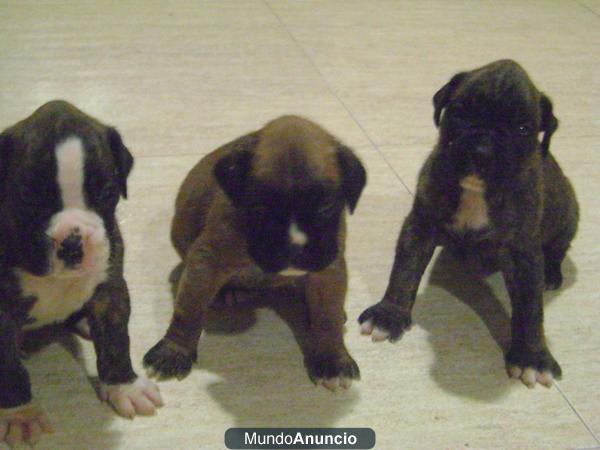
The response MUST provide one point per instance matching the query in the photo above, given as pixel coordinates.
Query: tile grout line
(579, 416)
(583, 5)
(332, 91)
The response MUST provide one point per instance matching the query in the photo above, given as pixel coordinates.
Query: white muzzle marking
(76, 217)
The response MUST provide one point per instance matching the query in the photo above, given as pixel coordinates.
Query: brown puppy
(263, 209)
(489, 190)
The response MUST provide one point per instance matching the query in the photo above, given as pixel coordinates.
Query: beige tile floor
(180, 78)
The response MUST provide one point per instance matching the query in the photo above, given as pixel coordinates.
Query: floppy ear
(122, 157)
(548, 123)
(354, 176)
(442, 97)
(231, 171)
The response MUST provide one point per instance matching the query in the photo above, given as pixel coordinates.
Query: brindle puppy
(489, 189)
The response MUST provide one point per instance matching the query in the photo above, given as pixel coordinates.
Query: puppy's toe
(23, 425)
(330, 383)
(379, 335)
(384, 320)
(530, 376)
(141, 397)
(366, 327)
(545, 378)
(532, 367)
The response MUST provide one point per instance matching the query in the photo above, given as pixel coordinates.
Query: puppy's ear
(231, 171)
(354, 176)
(122, 158)
(442, 97)
(548, 123)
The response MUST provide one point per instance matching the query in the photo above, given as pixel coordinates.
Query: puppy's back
(197, 194)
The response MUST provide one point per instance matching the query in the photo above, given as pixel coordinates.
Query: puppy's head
(490, 119)
(61, 175)
(291, 182)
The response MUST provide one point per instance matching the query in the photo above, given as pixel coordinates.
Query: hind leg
(554, 254)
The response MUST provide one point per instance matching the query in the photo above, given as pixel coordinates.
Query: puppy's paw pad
(532, 368)
(384, 321)
(141, 397)
(23, 425)
(166, 360)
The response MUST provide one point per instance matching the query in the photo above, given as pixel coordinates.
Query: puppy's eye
(524, 130)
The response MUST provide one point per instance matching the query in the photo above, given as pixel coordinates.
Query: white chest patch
(57, 297)
(292, 272)
(472, 212)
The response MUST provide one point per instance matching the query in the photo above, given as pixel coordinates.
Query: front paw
(166, 360)
(384, 321)
(332, 371)
(532, 367)
(23, 425)
(130, 399)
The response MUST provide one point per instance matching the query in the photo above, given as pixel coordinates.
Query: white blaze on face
(66, 289)
(75, 216)
(297, 236)
(70, 174)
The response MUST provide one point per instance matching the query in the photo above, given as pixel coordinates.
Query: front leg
(528, 357)
(206, 271)
(326, 358)
(389, 318)
(108, 315)
(20, 420)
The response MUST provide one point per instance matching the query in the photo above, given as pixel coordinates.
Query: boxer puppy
(489, 189)
(61, 256)
(263, 209)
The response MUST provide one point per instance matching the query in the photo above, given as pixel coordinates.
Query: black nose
(71, 251)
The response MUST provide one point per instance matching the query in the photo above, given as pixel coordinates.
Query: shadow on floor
(263, 382)
(467, 362)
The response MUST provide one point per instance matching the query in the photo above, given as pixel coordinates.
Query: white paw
(377, 334)
(530, 376)
(140, 397)
(23, 425)
(333, 383)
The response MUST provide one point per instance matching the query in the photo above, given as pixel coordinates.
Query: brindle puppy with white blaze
(491, 190)
(61, 257)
